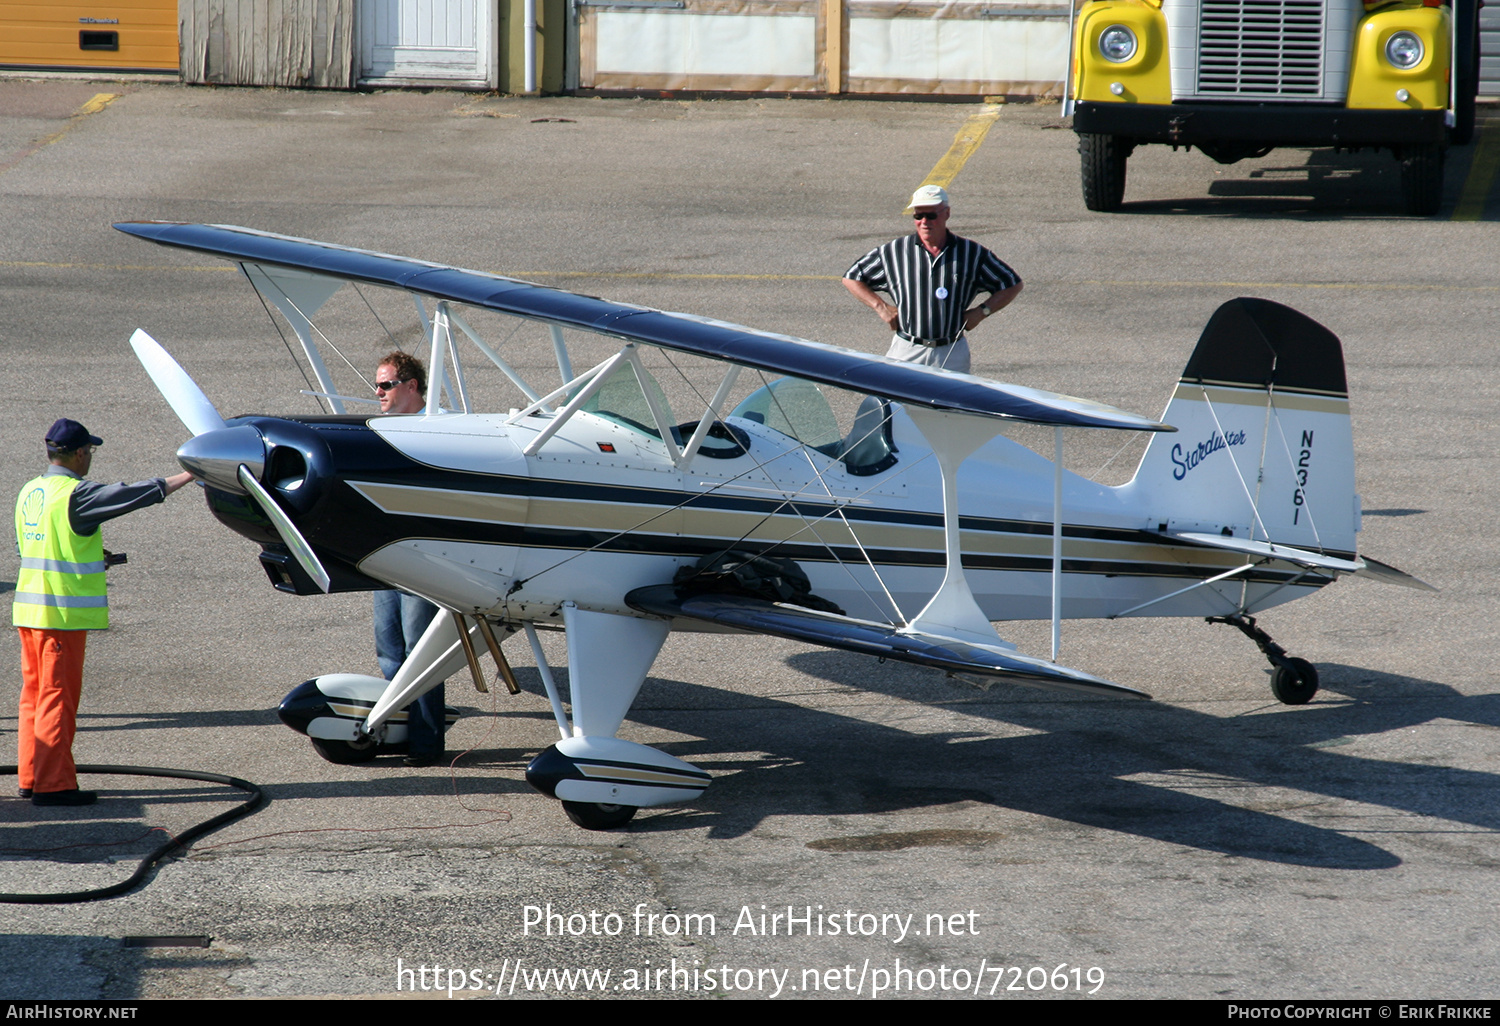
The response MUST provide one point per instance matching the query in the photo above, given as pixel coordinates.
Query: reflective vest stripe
(61, 566)
(61, 582)
(63, 601)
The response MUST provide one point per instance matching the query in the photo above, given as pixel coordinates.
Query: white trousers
(954, 356)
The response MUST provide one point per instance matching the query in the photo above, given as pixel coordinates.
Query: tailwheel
(598, 815)
(1294, 682)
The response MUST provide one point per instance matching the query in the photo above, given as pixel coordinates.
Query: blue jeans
(400, 622)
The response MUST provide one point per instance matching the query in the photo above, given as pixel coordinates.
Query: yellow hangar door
(136, 35)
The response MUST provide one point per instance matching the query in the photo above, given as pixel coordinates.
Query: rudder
(1264, 448)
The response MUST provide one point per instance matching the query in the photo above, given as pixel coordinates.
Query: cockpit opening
(800, 410)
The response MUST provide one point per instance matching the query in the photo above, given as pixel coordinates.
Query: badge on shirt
(941, 293)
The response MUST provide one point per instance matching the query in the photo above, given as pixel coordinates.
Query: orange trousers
(51, 683)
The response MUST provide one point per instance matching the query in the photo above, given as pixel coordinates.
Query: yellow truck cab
(1237, 78)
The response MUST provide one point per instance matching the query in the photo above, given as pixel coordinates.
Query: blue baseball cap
(68, 435)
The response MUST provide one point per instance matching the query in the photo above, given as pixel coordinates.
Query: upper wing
(779, 354)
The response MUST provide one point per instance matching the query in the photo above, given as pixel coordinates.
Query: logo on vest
(31, 514)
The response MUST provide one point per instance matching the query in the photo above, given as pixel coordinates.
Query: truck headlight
(1404, 50)
(1117, 44)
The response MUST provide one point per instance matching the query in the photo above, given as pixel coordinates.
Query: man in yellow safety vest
(60, 596)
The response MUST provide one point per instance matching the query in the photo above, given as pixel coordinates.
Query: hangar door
(428, 42)
(130, 35)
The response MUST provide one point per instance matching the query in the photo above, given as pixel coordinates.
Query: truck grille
(1261, 48)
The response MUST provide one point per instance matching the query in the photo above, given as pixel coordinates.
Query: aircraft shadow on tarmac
(1076, 769)
(149, 720)
(1203, 773)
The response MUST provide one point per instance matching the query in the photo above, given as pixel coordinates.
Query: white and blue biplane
(591, 508)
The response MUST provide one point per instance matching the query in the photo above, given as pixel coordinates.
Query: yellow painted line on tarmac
(93, 105)
(1482, 171)
(662, 275)
(970, 134)
(1391, 286)
(673, 276)
(110, 267)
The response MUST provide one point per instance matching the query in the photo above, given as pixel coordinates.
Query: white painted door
(445, 42)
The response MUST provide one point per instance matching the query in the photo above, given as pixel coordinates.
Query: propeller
(199, 416)
(289, 534)
(180, 391)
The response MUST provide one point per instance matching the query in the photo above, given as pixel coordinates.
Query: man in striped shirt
(933, 276)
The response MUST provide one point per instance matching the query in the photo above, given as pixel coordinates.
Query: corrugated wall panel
(299, 43)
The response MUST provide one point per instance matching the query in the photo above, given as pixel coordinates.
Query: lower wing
(958, 658)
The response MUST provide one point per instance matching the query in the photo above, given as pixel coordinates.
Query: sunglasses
(390, 386)
(926, 215)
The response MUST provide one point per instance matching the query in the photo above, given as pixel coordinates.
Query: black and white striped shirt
(933, 293)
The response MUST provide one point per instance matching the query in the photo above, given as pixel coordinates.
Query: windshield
(797, 408)
(622, 401)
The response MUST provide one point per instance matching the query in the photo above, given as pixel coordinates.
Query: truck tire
(1465, 71)
(1422, 179)
(1103, 167)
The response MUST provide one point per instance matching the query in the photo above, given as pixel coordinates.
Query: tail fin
(1263, 448)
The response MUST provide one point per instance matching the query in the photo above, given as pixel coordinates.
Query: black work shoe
(422, 759)
(23, 792)
(73, 797)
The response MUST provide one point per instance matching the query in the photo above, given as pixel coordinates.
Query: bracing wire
(272, 318)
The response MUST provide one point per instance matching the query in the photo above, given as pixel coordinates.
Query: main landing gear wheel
(1295, 683)
(1103, 168)
(598, 815)
(346, 753)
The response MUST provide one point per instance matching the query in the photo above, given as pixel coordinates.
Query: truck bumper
(1271, 124)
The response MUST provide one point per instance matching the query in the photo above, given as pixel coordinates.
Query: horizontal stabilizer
(1388, 574)
(830, 630)
(1287, 553)
(715, 340)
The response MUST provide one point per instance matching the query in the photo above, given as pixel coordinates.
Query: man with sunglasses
(401, 618)
(60, 597)
(933, 276)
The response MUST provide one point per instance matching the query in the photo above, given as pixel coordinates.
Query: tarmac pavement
(1209, 844)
